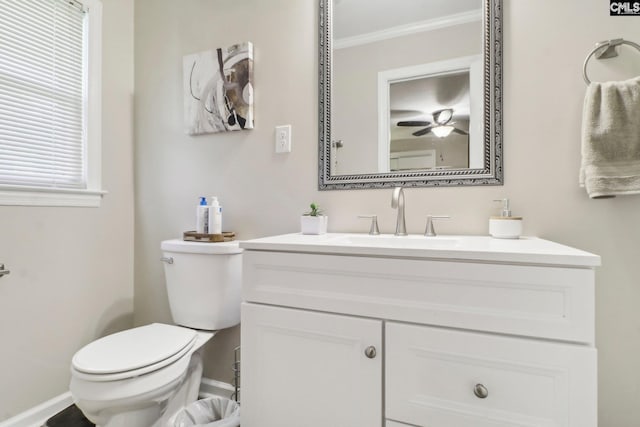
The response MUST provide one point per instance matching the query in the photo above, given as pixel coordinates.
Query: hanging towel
(611, 139)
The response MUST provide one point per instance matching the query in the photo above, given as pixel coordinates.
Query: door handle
(3, 272)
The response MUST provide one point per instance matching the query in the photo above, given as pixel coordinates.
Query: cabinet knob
(480, 391)
(370, 352)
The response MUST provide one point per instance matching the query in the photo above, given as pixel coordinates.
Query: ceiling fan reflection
(441, 127)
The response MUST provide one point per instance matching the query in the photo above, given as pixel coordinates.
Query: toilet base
(153, 411)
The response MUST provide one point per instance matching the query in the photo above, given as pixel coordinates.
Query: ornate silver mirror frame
(492, 171)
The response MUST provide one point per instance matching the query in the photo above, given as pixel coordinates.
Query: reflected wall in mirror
(410, 93)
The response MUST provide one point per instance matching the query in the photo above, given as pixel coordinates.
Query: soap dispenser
(505, 226)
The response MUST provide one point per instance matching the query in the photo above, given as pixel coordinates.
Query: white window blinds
(42, 94)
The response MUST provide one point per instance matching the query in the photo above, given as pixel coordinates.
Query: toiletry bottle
(505, 226)
(202, 217)
(215, 216)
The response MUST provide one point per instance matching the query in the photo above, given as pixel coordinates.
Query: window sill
(20, 196)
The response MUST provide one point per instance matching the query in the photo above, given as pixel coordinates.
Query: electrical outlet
(283, 139)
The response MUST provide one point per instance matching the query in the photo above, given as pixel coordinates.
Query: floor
(69, 417)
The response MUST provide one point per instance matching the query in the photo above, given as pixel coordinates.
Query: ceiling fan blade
(413, 123)
(422, 131)
(460, 131)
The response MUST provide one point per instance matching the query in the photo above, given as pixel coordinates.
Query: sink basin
(398, 242)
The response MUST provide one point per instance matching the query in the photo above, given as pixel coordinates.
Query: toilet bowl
(142, 376)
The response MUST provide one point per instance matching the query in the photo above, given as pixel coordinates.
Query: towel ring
(603, 50)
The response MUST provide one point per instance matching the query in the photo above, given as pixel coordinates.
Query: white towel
(611, 139)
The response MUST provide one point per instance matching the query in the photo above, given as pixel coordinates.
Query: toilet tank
(203, 283)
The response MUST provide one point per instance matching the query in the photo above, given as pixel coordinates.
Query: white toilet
(142, 376)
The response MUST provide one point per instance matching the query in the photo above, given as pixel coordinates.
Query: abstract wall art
(218, 90)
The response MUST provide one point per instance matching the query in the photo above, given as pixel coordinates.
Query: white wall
(264, 193)
(261, 192)
(71, 275)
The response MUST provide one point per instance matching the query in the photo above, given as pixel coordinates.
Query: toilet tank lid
(133, 349)
(177, 245)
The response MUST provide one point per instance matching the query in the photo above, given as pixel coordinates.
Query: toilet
(142, 376)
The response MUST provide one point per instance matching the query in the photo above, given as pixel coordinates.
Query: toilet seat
(133, 352)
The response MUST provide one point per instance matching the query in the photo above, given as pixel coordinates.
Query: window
(50, 72)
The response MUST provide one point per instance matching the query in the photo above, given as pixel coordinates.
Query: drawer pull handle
(370, 352)
(480, 391)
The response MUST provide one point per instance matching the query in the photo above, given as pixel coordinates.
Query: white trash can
(209, 412)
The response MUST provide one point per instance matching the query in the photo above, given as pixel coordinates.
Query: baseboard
(209, 387)
(38, 415)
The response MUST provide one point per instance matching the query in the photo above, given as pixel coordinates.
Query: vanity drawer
(432, 375)
(528, 300)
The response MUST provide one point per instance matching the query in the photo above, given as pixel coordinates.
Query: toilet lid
(134, 349)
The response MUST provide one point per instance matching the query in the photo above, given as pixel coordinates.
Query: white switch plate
(283, 139)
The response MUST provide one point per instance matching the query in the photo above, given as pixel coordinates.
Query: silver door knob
(370, 352)
(480, 391)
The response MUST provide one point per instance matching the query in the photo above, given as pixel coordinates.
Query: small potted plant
(314, 221)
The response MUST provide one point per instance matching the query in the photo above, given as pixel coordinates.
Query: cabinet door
(446, 378)
(309, 369)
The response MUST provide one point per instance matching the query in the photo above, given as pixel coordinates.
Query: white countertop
(525, 250)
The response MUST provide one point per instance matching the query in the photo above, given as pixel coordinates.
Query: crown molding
(413, 28)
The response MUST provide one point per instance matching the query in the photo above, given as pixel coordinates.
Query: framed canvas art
(218, 90)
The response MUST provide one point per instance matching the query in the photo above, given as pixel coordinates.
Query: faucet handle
(374, 231)
(429, 230)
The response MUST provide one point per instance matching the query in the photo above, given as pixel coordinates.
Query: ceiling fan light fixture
(442, 131)
(442, 117)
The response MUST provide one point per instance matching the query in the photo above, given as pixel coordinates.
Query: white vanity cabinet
(302, 368)
(480, 333)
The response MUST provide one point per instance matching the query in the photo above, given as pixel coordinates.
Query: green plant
(315, 210)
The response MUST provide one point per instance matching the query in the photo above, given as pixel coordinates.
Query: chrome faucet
(397, 202)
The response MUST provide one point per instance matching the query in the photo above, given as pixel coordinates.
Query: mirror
(410, 93)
